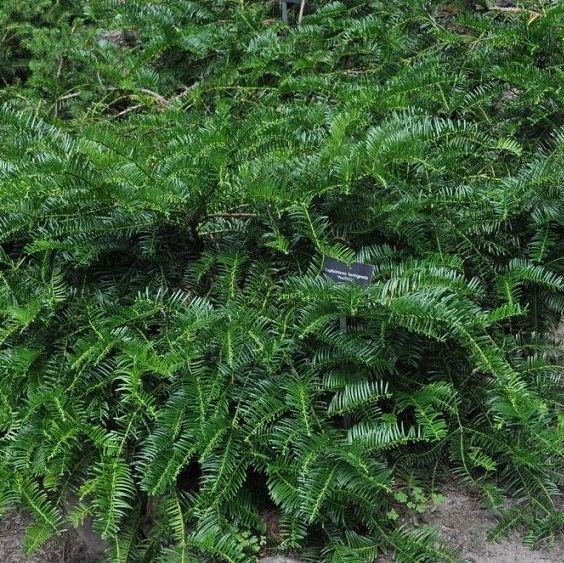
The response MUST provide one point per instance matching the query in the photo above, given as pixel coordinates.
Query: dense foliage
(171, 363)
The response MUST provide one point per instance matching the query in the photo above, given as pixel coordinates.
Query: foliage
(170, 353)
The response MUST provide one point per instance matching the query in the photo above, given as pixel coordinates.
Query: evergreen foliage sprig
(171, 362)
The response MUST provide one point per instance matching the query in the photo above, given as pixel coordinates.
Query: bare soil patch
(464, 524)
(460, 519)
(74, 546)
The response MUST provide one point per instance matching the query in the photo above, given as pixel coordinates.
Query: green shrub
(170, 351)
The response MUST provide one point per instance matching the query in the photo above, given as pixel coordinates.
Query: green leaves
(355, 395)
(113, 490)
(171, 176)
(48, 520)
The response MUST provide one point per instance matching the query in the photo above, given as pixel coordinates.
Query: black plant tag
(338, 271)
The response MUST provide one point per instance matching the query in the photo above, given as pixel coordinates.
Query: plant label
(338, 271)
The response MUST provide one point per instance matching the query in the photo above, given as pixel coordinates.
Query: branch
(301, 15)
(69, 96)
(127, 110)
(235, 215)
(160, 99)
(514, 10)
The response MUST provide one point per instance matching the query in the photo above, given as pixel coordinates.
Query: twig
(515, 10)
(161, 99)
(301, 15)
(68, 96)
(186, 90)
(232, 215)
(60, 99)
(127, 110)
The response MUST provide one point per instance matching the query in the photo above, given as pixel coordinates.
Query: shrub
(171, 354)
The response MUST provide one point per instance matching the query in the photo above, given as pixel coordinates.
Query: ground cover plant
(171, 363)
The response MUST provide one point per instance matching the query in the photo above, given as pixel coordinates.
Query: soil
(68, 548)
(464, 524)
(460, 520)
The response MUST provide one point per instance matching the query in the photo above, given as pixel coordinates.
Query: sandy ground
(460, 519)
(464, 524)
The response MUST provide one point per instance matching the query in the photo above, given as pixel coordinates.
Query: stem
(302, 8)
